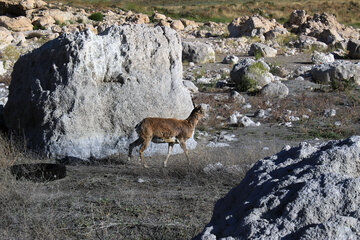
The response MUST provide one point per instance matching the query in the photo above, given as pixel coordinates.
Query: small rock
(329, 113)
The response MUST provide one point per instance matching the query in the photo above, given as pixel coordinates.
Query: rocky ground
(297, 92)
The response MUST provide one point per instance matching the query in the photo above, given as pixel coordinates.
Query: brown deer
(166, 130)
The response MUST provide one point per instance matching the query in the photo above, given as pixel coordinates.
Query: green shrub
(97, 16)
(343, 84)
(246, 84)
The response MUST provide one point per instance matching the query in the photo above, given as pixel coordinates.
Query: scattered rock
(20, 7)
(190, 86)
(17, 24)
(5, 36)
(262, 49)
(237, 97)
(275, 89)
(230, 59)
(320, 58)
(247, 122)
(217, 145)
(158, 17)
(253, 26)
(323, 27)
(251, 74)
(336, 73)
(138, 18)
(198, 52)
(330, 113)
(177, 25)
(305, 192)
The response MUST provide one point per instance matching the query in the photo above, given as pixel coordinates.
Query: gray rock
(230, 59)
(190, 86)
(305, 192)
(275, 89)
(338, 71)
(307, 42)
(249, 73)
(354, 49)
(237, 97)
(320, 58)
(263, 49)
(198, 52)
(82, 94)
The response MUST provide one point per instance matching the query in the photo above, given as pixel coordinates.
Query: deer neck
(192, 120)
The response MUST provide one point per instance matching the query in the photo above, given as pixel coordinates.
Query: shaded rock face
(82, 94)
(305, 192)
(353, 47)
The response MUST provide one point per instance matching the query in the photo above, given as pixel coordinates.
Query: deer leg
(183, 146)
(171, 144)
(141, 151)
(137, 142)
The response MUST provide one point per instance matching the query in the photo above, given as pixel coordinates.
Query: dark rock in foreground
(305, 192)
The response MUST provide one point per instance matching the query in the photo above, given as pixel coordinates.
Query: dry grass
(224, 11)
(107, 201)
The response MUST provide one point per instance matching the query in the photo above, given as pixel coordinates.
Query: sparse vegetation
(98, 16)
(10, 53)
(225, 11)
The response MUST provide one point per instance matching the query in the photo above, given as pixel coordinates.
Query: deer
(166, 130)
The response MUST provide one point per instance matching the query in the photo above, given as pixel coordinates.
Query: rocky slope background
(75, 81)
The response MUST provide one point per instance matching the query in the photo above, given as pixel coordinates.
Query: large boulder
(82, 94)
(198, 52)
(253, 26)
(249, 74)
(305, 192)
(336, 72)
(19, 7)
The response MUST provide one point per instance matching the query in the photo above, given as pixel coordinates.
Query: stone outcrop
(82, 94)
(254, 26)
(304, 192)
(198, 52)
(323, 27)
